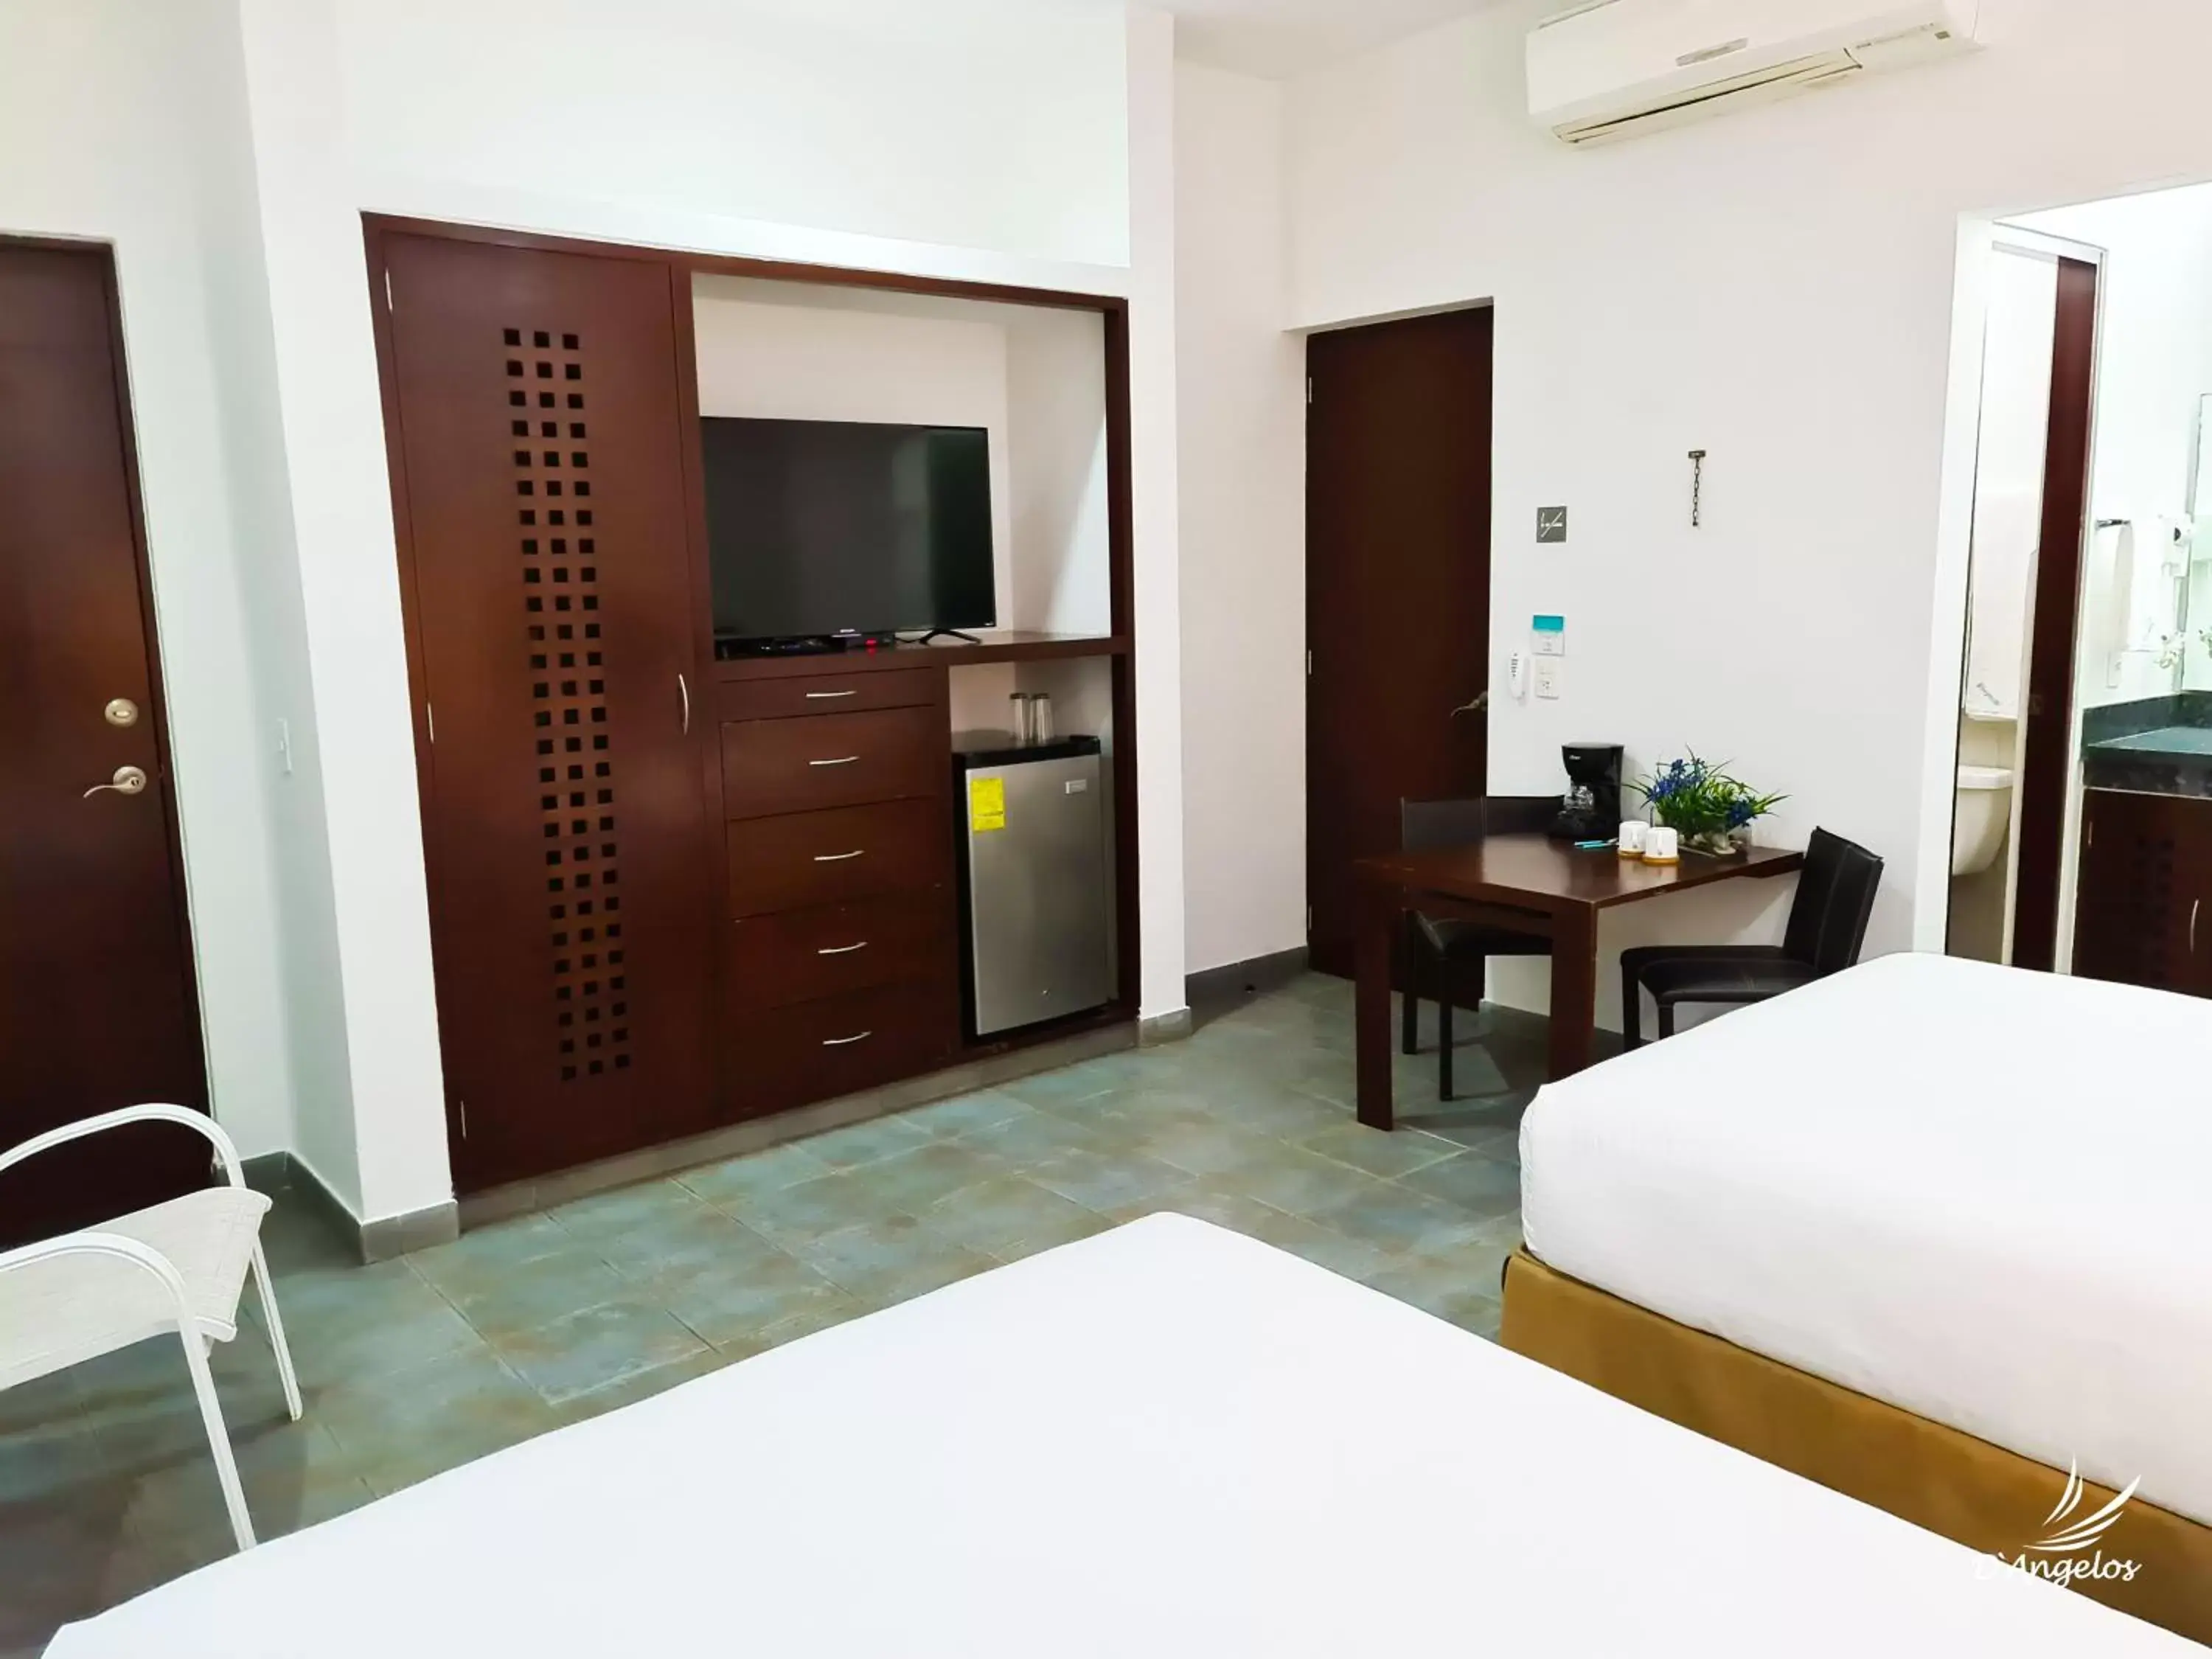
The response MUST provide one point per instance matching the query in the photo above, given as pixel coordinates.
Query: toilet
(1982, 816)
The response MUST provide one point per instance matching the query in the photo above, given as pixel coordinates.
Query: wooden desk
(1531, 884)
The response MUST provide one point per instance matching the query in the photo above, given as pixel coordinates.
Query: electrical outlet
(1550, 671)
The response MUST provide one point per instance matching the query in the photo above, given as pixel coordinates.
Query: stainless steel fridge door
(1037, 893)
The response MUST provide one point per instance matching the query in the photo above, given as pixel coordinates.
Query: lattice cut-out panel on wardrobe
(558, 586)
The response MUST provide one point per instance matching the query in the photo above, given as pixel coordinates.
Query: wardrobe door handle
(2193, 909)
(842, 949)
(683, 687)
(817, 696)
(840, 1043)
(841, 760)
(838, 857)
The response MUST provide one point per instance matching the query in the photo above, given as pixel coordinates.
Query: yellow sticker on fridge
(987, 804)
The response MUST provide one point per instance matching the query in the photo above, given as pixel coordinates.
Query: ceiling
(1279, 39)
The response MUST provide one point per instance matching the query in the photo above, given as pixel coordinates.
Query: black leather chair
(1827, 925)
(1459, 950)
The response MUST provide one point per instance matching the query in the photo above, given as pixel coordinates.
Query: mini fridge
(1033, 882)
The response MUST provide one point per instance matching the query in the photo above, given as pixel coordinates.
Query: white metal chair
(178, 1266)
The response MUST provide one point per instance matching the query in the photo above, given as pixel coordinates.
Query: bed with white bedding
(1159, 1440)
(1974, 1193)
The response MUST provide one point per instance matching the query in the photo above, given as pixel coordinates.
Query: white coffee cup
(1632, 832)
(1663, 845)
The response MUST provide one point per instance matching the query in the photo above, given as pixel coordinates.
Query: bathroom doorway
(2017, 693)
(2087, 658)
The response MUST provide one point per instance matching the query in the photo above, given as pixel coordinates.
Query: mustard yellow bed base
(1949, 1482)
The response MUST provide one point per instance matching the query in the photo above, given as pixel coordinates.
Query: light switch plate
(1550, 671)
(1551, 524)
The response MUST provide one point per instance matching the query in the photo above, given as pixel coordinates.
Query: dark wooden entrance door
(532, 398)
(1398, 428)
(97, 1006)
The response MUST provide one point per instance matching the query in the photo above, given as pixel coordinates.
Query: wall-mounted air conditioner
(1615, 68)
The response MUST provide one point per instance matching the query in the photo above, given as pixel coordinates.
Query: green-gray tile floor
(415, 1365)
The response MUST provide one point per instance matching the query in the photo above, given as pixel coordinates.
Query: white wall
(1062, 570)
(1152, 488)
(1241, 428)
(321, 1120)
(984, 123)
(333, 421)
(1776, 287)
(108, 136)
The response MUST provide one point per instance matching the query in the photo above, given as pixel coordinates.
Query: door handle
(841, 760)
(841, 950)
(1479, 702)
(683, 689)
(840, 1043)
(127, 781)
(2194, 908)
(838, 857)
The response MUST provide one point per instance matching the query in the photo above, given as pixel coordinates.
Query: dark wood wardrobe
(535, 425)
(656, 908)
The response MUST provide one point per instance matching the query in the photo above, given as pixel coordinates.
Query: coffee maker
(1590, 810)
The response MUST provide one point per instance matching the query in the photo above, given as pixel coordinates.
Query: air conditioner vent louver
(1613, 70)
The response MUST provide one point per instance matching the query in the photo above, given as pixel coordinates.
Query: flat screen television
(826, 527)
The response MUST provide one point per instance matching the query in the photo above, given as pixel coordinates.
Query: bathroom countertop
(2169, 754)
(2182, 742)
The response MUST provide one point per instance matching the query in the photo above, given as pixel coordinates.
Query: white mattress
(1973, 1191)
(1169, 1441)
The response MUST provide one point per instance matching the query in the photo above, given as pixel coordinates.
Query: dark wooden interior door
(97, 1006)
(562, 721)
(1398, 428)
(2047, 757)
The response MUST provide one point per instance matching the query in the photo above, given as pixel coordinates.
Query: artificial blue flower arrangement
(1705, 806)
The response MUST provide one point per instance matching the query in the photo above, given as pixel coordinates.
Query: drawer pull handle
(842, 949)
(841, 760)
(840, 1043)
(815, 696)
(838, 857)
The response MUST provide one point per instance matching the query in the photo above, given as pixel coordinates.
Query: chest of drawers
(840, 967)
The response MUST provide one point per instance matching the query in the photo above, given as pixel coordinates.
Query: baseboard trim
(284, 1176)
(1155, 1030)
(1251, 976)
(417, 1230)
(655, 1162)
